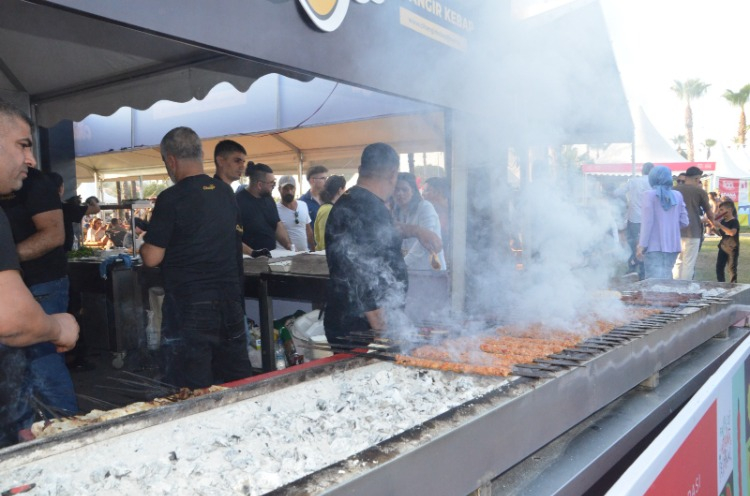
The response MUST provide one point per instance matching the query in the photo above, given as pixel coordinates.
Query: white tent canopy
(726, 167)
(650, 146)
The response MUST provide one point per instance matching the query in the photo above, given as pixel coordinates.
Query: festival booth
(94, 57)
(731, 179)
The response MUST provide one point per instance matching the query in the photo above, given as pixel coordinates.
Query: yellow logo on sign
(328, 15)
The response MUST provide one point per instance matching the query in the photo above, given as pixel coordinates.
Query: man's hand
(68, 332)
(263, 252)
(639, 252)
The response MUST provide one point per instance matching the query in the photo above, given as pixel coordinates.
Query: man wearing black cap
(696, 201)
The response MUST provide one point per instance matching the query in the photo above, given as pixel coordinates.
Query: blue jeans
(50, 378)
(659, 264)
(633, 233)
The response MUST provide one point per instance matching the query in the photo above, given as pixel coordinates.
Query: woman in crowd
(663, 213)
(332, 190)
(409, 208)
(96, 236)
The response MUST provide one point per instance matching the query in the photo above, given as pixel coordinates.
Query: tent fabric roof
(726, 166)
(650, 146)
(336, 145)
(72, 66)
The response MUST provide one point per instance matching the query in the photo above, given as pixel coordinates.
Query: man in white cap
(295, 215)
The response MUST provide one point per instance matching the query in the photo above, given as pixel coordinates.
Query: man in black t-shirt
(260, 218)
(36, 219)
(195, 235)
(73, 211)
(22, 321)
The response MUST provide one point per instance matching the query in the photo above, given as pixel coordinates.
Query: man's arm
(152, 255)
(282, 236)
(427, 238)
(49, 235)
(376, 319)
(310, 237)
(23, 322)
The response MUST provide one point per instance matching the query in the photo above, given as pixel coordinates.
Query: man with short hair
(36, 219)
(195, 235)
(633, 191)
(697, 204)
(23, 322)
(260, 217)
(368, 277)
(294, 215)
(229, 158)
(316, 177)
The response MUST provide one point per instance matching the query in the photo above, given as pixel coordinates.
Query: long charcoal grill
(468, 446)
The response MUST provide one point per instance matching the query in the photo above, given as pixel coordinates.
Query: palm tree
(709, 143)
(678, 141)
(687, 91)
(739, 99)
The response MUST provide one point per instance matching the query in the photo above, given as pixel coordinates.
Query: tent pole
(299, 171)
(632, 157)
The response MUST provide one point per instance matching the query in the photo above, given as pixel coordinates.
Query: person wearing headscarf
(663, 214)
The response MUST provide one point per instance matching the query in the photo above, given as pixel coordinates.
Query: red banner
(730, 188)
(675, 167)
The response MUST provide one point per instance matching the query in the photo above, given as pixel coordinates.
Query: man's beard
(265, 193)
(288, 198)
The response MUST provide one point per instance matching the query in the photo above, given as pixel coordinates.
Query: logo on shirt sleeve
(209, 187)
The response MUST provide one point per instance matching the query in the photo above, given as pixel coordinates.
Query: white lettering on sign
(445, 13)
(458, 20)
(695, 489)
(432, 6)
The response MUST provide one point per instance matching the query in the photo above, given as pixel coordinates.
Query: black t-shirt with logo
(198, 223)
(366, 266)
(730, 243)
(37, 195)
(259, 220)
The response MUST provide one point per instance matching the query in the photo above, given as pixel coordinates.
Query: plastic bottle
(280, 358)
(152, 337)
(288, 343)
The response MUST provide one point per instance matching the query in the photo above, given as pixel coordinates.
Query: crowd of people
(197, 233)
(668, 219)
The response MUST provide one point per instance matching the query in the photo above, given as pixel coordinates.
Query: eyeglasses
(323, 178)
(296, 217)
(680, 181)
(272, 183)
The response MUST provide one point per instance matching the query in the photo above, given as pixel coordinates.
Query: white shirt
(634, 189)
(297, 230)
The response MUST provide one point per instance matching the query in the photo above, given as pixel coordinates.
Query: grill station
(483, 442)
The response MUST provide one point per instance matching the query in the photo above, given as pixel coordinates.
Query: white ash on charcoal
(693, 287)
(258, 444)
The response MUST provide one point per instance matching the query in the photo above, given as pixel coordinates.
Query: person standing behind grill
(410, 209)
(23, 321)
(368, 277)
(727, 226)
(332, 191)
(633, 192)
(295, 216)
(260, 218)
(696, 201)
(663, 213)
(195, 235)
(317, 175)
